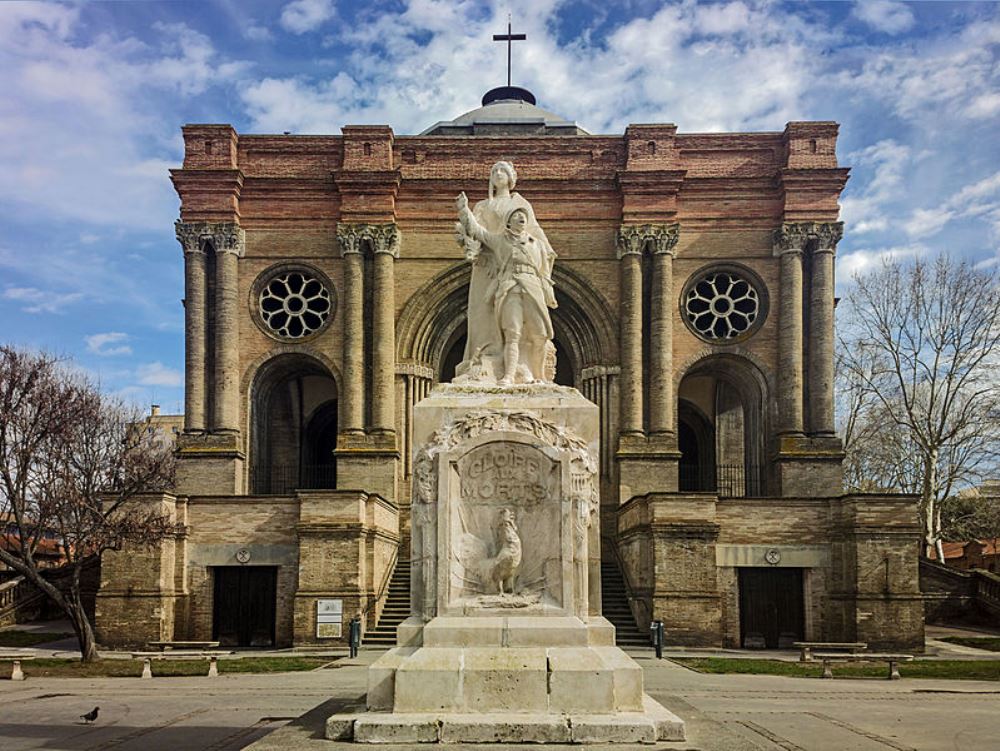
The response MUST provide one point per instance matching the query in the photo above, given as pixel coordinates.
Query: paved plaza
(286, 711)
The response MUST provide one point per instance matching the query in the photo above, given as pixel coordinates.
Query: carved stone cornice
(224, 237)
(795, 236)
(633, 238)
(384, 238)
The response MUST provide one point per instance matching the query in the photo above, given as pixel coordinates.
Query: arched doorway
(566, 372)
(722, 428)
(293, 415)
(430, 343)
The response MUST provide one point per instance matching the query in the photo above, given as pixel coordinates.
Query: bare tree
(71, 459)
(974, 515)
(919, 345)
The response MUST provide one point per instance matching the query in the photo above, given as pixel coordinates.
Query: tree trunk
(81, 625)
(931, 519)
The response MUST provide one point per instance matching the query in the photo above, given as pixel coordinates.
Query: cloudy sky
(92, 97)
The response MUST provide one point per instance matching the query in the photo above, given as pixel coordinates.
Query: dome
(507, 111)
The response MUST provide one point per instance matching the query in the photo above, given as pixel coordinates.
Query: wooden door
(772, 606)
(244, 605)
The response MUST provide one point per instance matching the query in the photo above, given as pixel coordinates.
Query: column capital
(796, 236)
(349, 236)
(790, 237)
(664, 238)
(633, 238)
(827, 235)
(224, 237)
(384, 238)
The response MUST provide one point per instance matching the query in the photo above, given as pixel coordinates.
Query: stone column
(821, 336)
(229, 242)
(385, 243)
(352, 400)
(189, 236)
(789, 241)
(631, 241)
(661, 375)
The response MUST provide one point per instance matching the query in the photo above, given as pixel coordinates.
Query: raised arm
(469, 222)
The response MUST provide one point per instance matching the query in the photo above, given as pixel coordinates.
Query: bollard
(16, 674)
(147, 671)
(657, 636)
(354, 636)
(213, 666)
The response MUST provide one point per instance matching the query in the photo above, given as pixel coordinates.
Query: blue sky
(92, 97)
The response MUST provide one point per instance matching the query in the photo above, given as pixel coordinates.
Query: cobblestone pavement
(723, 712)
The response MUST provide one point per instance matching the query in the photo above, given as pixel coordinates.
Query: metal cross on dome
(508, 37)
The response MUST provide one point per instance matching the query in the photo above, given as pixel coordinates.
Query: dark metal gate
(772, 607)
(243, 611)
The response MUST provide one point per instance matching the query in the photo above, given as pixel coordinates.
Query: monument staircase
(396, 610)
(615, 607)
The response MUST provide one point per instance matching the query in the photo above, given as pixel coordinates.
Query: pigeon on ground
(91, 715)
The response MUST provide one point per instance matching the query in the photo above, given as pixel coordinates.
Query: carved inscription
(505, 472)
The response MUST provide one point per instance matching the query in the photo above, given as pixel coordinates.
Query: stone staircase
(614, 607)
(396, 610)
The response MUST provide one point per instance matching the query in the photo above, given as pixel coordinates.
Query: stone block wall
(348, 543)
(682, 553)
(324, 544)
(137, 598)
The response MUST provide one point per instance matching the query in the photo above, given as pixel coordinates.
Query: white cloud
(732, 66)
(980, 199)
(943, 80)
(83, 135)
(885, 15)
(108, 344)
(865, 211)
(256, 33)
(860, 261)
(301, 16)
(34, 300)
(158, 374)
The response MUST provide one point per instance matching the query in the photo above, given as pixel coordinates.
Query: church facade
(325, 295)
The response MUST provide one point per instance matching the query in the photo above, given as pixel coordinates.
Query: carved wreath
(583, 466)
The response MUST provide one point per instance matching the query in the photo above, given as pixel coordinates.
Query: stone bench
(148, 657)
(808, 646)
(892, 659)
(163, 646)
(16, 674)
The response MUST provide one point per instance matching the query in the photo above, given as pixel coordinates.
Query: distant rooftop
(507, 111)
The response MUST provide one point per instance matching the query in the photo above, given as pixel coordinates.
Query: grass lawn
(28, 638)
(979, 670)
(991, 643)
(54, 668)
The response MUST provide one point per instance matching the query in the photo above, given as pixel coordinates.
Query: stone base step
(654, 723)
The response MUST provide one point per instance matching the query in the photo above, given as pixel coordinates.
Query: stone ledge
(654, 723)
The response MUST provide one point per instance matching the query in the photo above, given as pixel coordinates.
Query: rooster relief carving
(492, 569)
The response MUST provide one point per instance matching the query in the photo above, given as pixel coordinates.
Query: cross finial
(508, 37)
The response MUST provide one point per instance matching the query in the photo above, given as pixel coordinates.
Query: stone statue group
(509, 328)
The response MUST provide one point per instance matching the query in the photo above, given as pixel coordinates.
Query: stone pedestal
(506, 642)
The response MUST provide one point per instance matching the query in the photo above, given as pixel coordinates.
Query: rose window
(721, 305)
(294, 304)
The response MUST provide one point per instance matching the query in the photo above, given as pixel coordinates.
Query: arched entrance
(431, 343)
(293, 426)
(722, 428)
